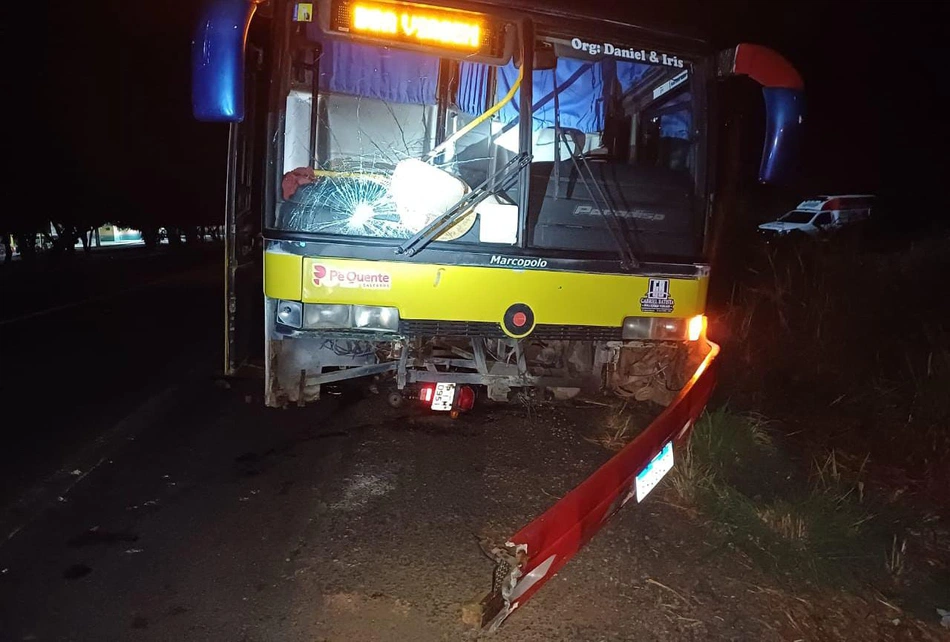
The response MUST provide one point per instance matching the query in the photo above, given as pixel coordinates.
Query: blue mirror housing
(784, 94)
(784, 131)
(217, 60)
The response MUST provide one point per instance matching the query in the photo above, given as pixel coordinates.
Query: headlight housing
(321, 315)
(663, 328)
(367, 317)
(332, 316)
(290, 313)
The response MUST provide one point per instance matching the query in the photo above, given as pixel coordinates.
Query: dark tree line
(115, 109)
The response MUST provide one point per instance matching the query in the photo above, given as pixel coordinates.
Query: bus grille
(493, 330)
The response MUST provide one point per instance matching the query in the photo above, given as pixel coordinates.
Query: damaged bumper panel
(535, 553)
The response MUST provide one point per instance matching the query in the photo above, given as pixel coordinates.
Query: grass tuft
(817, 530)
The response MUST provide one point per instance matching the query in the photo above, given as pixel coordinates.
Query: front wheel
(395, 399)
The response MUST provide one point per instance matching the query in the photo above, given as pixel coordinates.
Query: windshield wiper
(628, 259)
(479, 193)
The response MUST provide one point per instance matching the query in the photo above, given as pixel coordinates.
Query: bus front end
(430, 226)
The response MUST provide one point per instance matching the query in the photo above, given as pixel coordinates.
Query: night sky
(874, 73)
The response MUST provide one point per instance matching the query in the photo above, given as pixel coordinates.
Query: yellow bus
(460, 199)
(424, 224)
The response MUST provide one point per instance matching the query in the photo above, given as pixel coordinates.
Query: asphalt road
(202, 515)
(84, 342)
(226, 521)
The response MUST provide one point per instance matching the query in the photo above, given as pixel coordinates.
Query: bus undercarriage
(644, 371)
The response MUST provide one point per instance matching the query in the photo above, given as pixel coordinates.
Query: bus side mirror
(784, 94)
(217, 60)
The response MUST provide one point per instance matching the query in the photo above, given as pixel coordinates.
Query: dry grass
(784, 522)
(827, 316)
(818, 529)
(618, 431)
(689, 476)
(895, 559)
(853, 345)
(617, 423)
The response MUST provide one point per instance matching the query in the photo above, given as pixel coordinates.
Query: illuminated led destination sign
(423, 28)
(419, 25)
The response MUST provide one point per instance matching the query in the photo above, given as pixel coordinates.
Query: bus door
(243, 216)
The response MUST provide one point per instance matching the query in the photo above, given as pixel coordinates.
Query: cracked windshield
(400, 139)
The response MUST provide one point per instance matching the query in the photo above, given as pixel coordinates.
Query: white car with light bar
(822, 214)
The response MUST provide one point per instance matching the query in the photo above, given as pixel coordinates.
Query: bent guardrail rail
(536, 552)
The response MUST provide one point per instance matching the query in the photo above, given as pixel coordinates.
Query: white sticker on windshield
(671, 84)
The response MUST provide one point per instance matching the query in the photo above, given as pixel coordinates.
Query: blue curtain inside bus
(580, 88)
(408, 77)
(473, 87)
(388, 74)
(580, 94)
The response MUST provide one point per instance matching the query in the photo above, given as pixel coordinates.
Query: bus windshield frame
(287, 179)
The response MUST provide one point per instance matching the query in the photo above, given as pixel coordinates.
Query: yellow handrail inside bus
(480, 119)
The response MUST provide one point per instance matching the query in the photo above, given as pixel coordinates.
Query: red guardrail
(541, 548)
